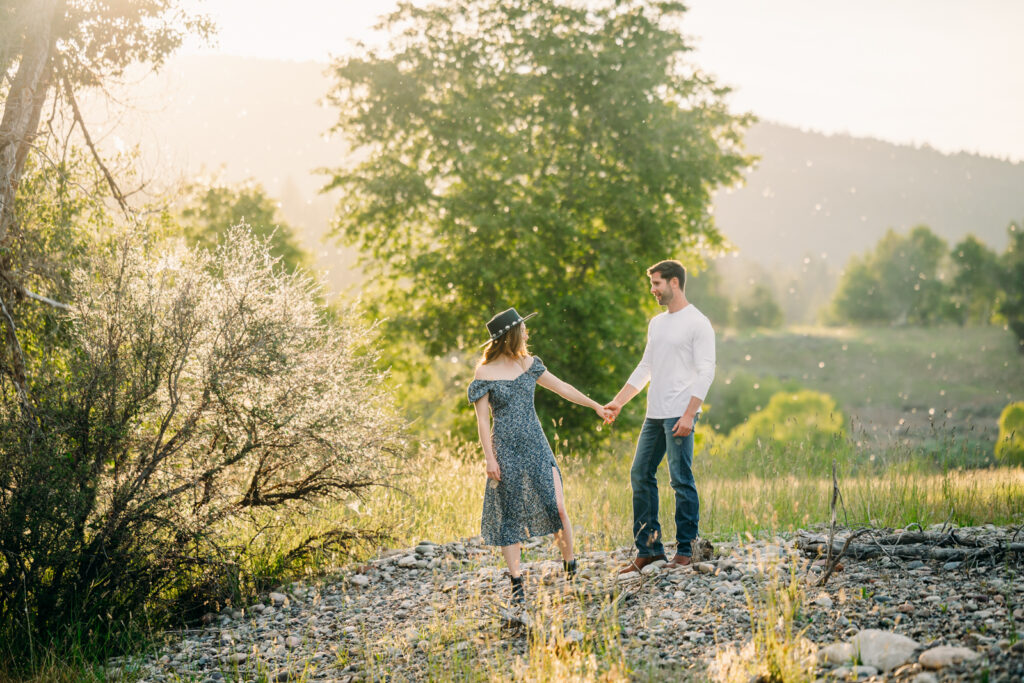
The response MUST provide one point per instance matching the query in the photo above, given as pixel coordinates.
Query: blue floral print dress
(523, 503)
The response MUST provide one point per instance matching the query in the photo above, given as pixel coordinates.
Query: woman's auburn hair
(511, 344)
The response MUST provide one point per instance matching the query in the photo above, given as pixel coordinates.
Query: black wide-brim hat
(503, 322)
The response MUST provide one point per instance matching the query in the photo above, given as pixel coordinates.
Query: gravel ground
(437, 611)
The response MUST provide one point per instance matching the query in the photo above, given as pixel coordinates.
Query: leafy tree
(899, 282)
(210, 212)
(858, 297)
(758, 309)
(1010, 444)
(530, 153)
(975, 285)
(1012, 274)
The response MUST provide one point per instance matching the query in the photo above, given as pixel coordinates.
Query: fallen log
(813, 547)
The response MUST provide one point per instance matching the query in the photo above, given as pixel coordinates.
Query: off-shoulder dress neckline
(514, 379)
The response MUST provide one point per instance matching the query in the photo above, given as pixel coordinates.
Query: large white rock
(945, 655)
(278, 598)
(836, 653)
(883, 650)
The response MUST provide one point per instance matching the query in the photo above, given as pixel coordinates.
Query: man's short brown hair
(668, 270)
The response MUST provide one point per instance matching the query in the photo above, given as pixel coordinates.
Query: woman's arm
(483, 430)
(571, 393)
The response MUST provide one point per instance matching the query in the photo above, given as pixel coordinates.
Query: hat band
(505, 329)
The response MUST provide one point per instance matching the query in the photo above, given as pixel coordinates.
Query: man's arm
(637, 381)
(704, 361)
(627, 392)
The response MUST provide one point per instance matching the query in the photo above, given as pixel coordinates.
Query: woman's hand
(604, 413)
(493, 471)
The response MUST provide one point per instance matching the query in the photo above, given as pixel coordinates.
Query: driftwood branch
(831, 565)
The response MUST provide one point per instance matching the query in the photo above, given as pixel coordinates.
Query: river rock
(945, 655)
(854, 673)
(824, 601)
(883, 650)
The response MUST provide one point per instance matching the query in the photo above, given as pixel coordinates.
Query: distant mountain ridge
(836, 194)
(810, 193)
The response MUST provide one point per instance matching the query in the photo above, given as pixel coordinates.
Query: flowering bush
(198, 392)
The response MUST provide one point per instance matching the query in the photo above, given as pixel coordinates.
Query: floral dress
(523, 503)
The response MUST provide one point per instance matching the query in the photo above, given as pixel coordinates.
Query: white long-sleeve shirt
(679, 361)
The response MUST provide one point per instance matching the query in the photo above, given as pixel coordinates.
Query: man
(679, 362)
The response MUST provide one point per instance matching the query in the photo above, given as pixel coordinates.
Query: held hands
(604, 414)
(611, 411)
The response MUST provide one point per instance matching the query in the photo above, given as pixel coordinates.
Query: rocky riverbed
(438, 612)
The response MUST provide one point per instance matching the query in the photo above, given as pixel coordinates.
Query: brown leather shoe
(639, 563)
(680, 561)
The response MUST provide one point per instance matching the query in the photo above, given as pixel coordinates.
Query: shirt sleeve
(642, 374)
(704, 359)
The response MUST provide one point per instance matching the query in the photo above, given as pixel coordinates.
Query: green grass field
(939, 381)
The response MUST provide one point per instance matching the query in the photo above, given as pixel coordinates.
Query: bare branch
(44, 299)
(114, 189)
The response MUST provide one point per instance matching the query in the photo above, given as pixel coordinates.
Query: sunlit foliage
(796, 433)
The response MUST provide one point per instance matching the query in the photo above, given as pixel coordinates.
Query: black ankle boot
(570, 568)
(518, 592)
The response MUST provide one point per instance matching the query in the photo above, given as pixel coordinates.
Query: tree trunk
(19, 126)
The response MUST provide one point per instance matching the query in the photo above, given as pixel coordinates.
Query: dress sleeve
(537, 369)
(478, 388)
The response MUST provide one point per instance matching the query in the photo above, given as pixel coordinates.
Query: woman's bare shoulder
(484, 372)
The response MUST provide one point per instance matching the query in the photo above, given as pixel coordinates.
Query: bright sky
(947, 73)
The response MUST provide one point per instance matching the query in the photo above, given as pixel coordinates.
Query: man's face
(661, 289)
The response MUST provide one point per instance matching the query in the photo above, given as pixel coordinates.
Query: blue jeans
(655, 440)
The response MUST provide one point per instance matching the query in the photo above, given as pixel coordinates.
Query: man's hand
(612, 411)
(683, 426)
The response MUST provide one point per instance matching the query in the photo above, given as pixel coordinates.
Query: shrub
(1010, 444)
(795, 433)
(733, 400)
(200, 394)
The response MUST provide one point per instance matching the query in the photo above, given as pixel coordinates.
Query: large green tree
(531, 153)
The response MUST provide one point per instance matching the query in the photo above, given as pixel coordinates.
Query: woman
(524, 489)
